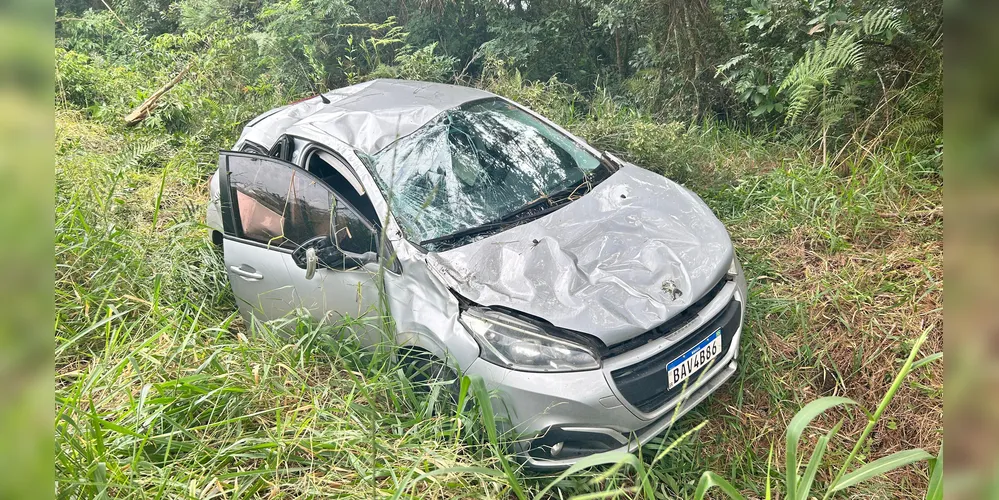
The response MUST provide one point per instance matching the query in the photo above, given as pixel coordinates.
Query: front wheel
(432, 377)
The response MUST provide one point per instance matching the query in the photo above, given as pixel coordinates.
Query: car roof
(367, 116)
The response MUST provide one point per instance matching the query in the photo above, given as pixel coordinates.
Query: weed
(161, 390)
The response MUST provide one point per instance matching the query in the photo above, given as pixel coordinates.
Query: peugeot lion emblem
(671, 290)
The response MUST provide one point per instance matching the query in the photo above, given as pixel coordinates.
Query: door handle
(248, 274)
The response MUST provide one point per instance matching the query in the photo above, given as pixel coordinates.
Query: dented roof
(367, 116)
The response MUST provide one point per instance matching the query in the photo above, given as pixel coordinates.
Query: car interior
(327, 167)
(320, 163)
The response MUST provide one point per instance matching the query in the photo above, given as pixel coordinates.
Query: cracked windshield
(475, 165)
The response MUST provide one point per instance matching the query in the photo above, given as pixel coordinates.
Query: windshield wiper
(560, 197)
(470, 231)
(489, 226)
(554, 200)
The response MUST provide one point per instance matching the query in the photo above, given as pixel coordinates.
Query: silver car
(599, 300)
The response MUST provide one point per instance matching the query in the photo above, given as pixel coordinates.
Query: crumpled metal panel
(607, 264)
(425, 312)
(367, 116)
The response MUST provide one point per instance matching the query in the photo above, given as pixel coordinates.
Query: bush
(160, 387)
(420, 64)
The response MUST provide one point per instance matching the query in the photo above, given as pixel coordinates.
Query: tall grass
(163, 391)
(802, 486)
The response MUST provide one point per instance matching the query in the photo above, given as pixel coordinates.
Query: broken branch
(146, 108)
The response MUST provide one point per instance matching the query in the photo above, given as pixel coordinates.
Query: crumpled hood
(605, 264)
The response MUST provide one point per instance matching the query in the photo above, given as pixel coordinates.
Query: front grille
(644, 385)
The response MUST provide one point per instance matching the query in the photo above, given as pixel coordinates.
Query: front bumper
(562, 417)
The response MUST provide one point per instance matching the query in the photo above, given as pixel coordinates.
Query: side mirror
(321, 251)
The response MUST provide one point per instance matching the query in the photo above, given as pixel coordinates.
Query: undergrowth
(162, 391)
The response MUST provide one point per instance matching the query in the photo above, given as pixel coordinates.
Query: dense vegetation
(812, 128)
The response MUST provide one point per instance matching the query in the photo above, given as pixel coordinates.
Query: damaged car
(600, 301)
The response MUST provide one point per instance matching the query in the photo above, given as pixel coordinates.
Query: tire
(425, 370)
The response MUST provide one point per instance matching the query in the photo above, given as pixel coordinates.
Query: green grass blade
(101, 481)
(794, 429)
(808, 478)
(159, 197)
(111, 316)
(770, 463)
(478, 387)
(934, 491)
(928, 359)
(880, 467)
(615, 493)
(676, 442)
(608, 457)
(117, 428)
(489, 421)
(873, 419)
(482, 471)
(463, 393)
(710, 480)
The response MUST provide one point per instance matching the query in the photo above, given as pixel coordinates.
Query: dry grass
(839, 321)
(845, 273)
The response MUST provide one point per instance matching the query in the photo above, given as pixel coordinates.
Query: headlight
(517, 344)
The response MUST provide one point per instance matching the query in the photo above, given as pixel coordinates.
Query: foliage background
(812, 128)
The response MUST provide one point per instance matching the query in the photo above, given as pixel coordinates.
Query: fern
(133, 154)
(825, 59)
(883, 21)
(816, 69)
(129, 158)
(837, 105)
(917, 122)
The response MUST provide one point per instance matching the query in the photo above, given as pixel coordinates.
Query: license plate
(697, 357)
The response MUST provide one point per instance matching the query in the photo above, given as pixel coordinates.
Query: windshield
(476, 164)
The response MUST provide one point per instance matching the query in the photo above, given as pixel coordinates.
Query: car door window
(252, 147)
(283, 148)
(353, 235)
(337, 175)
(278, 204)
